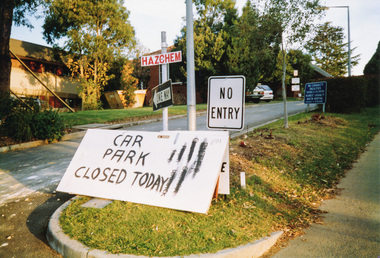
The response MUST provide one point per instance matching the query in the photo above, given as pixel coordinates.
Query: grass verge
(121, 115)
(288, 171)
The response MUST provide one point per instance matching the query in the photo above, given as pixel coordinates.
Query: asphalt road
(255, 115)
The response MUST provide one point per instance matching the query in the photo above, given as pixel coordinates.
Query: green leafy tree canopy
(96, 32)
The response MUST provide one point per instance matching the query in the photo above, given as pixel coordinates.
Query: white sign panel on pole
(225, 105)
(177, 170)
(296, 80)
(295, 88)
(164, 58)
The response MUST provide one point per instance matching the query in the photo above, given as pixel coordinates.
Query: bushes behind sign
(352, 94)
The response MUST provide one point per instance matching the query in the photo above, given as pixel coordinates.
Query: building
(53, 73)
(179, 88)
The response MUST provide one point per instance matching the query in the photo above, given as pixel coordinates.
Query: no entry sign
(225, 105)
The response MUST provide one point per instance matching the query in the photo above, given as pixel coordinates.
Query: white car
(261, 92)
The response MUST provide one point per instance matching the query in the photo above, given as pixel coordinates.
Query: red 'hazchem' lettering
(165, 58)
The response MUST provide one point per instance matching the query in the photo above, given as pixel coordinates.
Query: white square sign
(225, 105)
(177, 170)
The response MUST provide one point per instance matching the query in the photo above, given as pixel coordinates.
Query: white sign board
(224, 178)
(164, 58)
(295, 88)
(225, 105)
(177, 170)
(296, 80)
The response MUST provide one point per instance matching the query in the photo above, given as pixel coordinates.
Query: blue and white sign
(315, 93)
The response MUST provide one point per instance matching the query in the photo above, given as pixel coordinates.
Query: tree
(11, 11)
(254, 47)
(97, 31)
(210, 39)
(373, 65)
(295, 60)
(328, 50)
(295, 19)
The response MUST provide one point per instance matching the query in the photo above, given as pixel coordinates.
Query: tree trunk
(6, 17)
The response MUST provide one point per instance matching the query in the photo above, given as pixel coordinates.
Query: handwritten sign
(177, 170)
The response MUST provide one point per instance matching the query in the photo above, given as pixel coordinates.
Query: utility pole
(191, 97)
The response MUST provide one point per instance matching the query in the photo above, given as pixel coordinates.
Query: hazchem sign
(165, 58)
(315, 93)
(176, 169)
(225, 105)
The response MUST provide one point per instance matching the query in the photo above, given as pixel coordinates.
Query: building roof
(27, 50)
(321, 71)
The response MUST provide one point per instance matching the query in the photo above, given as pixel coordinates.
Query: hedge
(352, 94)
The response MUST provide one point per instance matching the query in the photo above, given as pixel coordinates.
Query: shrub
(24, 122)
(350, 94)
(48, 125)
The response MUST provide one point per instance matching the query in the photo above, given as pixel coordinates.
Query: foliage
(140, 72)
(373, 65)
(287, 178)
(352, 94)
(373, 90)
(210, 40)
(254, 46)
(129, 84)
(47, 125)
(97, 31)
(328, 50)
(23, 123)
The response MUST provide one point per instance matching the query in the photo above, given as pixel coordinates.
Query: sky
(150, 17)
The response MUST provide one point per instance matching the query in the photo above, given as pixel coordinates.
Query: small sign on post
(162, 95)
(316, 93)
(225, 105)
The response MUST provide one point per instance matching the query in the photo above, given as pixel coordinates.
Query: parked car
(261, 92)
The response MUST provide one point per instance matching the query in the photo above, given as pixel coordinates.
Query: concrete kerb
(71, 248)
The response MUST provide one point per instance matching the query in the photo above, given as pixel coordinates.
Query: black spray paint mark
(172, 176)
(192, 147)
(172, 155)
(201, 154)
(181, 179)
(182, 151)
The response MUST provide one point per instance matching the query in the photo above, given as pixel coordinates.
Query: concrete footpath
(351, 226)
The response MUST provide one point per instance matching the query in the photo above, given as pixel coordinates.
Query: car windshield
(264, 87)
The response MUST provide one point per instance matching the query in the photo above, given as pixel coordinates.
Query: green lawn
(121, 115)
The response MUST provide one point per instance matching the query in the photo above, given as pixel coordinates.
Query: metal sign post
(164, 78)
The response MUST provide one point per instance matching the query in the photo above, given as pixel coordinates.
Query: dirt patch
(23, 225)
